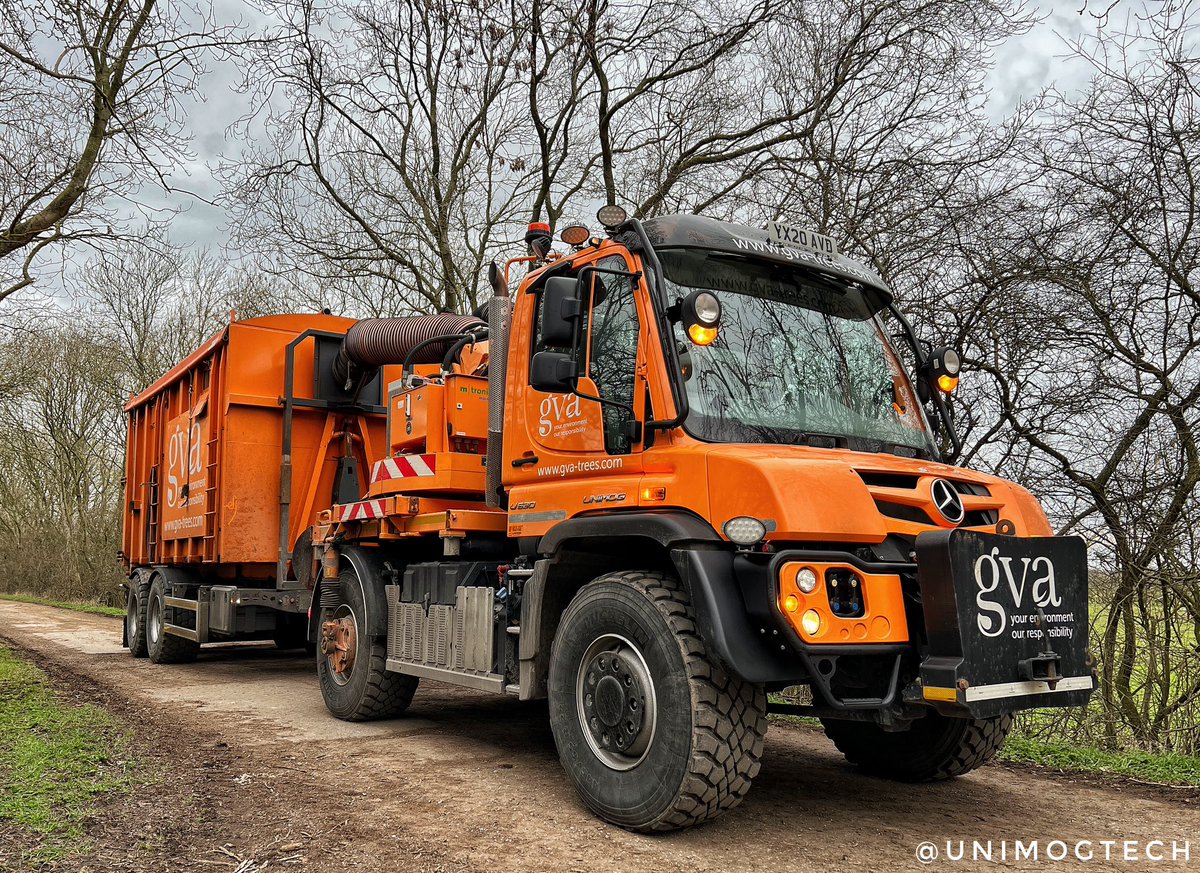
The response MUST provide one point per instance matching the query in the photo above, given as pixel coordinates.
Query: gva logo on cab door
(1036, 579)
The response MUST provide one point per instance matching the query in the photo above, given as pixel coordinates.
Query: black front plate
(984, 597)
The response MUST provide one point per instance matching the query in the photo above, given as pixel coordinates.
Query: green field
(58, 761)
(93, 608)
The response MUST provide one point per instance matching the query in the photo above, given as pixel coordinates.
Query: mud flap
(1007, 619)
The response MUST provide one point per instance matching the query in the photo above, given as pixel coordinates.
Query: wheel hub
(338, 644)
(616, 697)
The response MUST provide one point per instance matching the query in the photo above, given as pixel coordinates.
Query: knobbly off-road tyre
(936, 747)
(626, 630)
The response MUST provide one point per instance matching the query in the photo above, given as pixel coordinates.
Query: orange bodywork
(555, 468)
(204, 464)
(882, 596)
(204, 460)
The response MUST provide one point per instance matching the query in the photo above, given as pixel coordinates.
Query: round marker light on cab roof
(745, 530)
(806, 580)
(612, 215)
(574, 234)
(810, 622)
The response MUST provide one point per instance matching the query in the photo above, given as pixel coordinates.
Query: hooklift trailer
(681, 465)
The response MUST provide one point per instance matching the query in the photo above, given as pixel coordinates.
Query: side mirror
(553, 372)
(561, 308)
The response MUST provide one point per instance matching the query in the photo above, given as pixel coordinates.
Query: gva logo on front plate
(992, 569)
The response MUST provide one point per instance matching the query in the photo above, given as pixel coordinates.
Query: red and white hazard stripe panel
(404, 466)
(364, 510)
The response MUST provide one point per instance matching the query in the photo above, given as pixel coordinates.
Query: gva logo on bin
(993, 569)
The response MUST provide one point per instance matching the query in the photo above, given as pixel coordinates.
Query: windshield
(799, 358)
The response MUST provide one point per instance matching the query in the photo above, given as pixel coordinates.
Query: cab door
(582, 447)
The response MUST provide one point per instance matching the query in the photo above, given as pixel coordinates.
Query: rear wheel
(936, 747)
(135, 615)
(161, 646)
(651, 730)
(351, 662)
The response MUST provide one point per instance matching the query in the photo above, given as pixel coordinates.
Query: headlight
(810, 622)
(707, 308)
(745, 530)
(806, 580)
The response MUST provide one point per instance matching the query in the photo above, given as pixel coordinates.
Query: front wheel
(652, 731)
(934, 748)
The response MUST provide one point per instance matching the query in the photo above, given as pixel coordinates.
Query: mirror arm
(939, 402)
(659, 294)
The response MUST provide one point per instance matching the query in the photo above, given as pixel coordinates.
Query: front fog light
(745, 530)
(806, 580)
(810, 622)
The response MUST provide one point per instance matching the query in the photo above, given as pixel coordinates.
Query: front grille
(972, 488)
(980, 517)
(905, 513)
(888, 480)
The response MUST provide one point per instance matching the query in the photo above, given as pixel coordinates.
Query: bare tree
(392, 156)
(1093, 350)
(90, 104)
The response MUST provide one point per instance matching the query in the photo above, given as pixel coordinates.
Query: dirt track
(254, 770)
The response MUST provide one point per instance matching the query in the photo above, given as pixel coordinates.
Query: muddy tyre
(354, 682)
(653, 733)
(135, 615)
(162, 647)
(936, 747)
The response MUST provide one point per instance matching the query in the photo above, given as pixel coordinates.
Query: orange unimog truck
(682, 466)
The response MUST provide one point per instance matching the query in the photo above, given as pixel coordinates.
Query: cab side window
(613, 330)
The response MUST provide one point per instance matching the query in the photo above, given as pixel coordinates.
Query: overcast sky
(1024, 65)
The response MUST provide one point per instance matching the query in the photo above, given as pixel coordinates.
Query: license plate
(1000, 610)
(801, 238)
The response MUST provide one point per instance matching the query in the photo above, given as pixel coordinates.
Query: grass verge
(93, 608)
(57, 761)
(1157, 769)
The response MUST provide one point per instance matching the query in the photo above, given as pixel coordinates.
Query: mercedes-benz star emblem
(947, 501)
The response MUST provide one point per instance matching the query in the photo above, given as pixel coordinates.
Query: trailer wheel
(355, 684)
(162, 647)
(652, 731)
(936, 747)
(135, 615)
